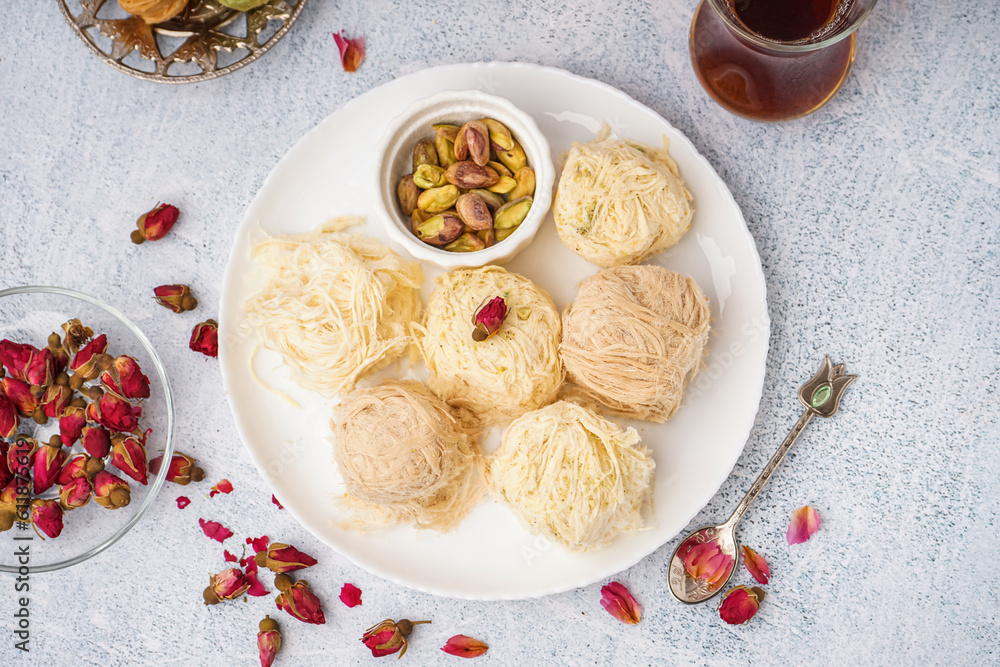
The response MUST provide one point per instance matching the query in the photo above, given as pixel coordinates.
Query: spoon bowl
(692, 590)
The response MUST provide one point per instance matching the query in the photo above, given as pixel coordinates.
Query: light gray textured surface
(877, 224)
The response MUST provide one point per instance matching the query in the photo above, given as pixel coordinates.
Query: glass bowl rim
(785, 47)
(168, 448)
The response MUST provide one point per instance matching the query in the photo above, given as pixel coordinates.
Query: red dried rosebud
(85, 362)
(205, 338)
(464, 647)
(21, 454)
(75, 493)
(268, 641)
(125, 378)
(740, 604)
(16, 358)
(298, 600)
(71, 424)
(9, 494)
(60, 357)
(115, 413)
(56, 400)
(352, 51)
(72, 469)
(389, 637)
(41, 369)
(20, 394)
(46, 467)
(175, 297)
(111, 492)
(182, 469)
(488, 318)
(129, 456)
(226, 585)
(283, 558)
(5, 474)
(618, 602)
(76, 335)
(154, 224)
(96, 441)
(10, 420)
(47, 516)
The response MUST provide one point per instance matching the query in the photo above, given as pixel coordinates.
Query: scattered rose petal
(350, 595)
(275, 501)
(183, 501)
(465, 647)
(805, 522)
(224, 486)
(352, 51)
(259, 543)
(706, 561)
(618, 602)
(230, 558)
(740, 604)
(215, 530)
(256, 588)
(756, 565)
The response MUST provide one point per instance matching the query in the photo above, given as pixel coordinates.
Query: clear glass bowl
(29, 315)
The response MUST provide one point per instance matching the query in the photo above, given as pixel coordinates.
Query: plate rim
(246, 221)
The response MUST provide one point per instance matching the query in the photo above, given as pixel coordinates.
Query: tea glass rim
(741, 31)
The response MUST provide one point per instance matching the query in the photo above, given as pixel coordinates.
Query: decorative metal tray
(197, 36)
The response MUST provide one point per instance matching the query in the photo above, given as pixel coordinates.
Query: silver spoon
(820, 396)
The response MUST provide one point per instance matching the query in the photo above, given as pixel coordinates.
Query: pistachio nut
(503, 186)
(477, 138)
(445, 150)
(424, 153)
(440, 230)
(466, 174)
(449, 132)
(512, 214)
(474, 212)
(513, 159)
(487, 236)
(461, 148)
(502, 234)
(499, 168)
(407, 193)
(499, 134)
(417, 217)
(492, 199)
(525, 187)
(466, 243)
(437, 200)
(429, 176)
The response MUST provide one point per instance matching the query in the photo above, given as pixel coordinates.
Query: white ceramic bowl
(393, 160)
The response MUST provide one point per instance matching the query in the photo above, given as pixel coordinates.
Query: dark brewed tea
(785, 20)
(771, 84)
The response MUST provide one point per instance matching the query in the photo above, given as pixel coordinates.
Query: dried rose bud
(115, 413)
(352, 51)
(60, 357)
(182, 469)
(8, 516)
(154, 224)
(79, 465)
(46, 467)
(5, 474)
(47, 516)
(41, 369)
(389, 637)
(71, 424)
(298, 600)
(488, 318)
(268, 641)
(205, 338)
(56, 400)
(75, 493)
(9, 494)
(10, 420)
(226, 585)
(19, 392)
(84, 364)
(129, 456)
(96, 441)
(76, 335)
(21, 455)
(177, 298)
(111, 492)
(16, 357)
(125, 378)
(279, 558)
(740, 604)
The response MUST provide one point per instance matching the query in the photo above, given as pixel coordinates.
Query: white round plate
(490, 555)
